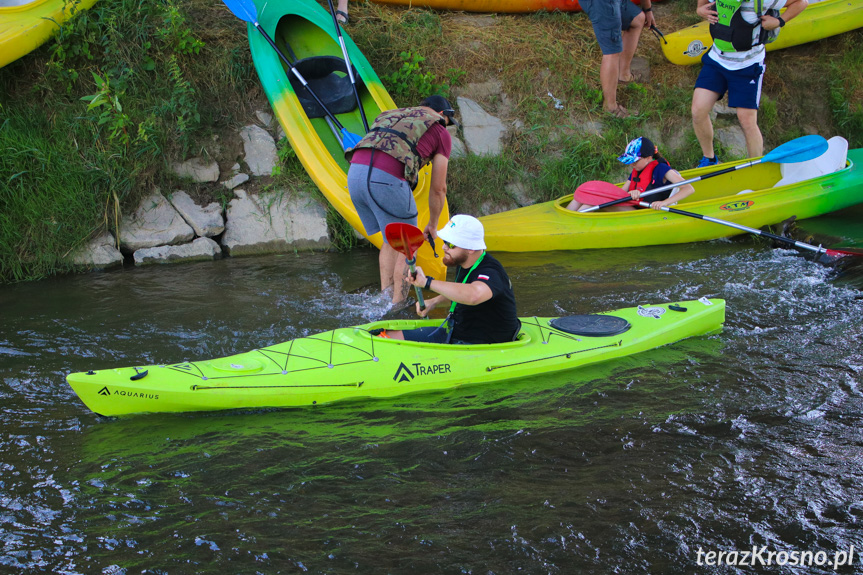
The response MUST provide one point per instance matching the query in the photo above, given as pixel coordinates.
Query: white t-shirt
(740, 60)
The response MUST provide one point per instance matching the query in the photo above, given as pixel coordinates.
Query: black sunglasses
(450, 245)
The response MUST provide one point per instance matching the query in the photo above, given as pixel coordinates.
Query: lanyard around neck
(464, 281)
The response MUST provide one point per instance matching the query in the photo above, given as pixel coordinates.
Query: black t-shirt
(494, 320)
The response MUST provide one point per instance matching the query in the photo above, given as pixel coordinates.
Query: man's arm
(649, 18)
(437, 193)
(792, 9)
(473, 293)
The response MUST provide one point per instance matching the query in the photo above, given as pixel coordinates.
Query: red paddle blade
(839, 253)
(595, 192)
(404, 238)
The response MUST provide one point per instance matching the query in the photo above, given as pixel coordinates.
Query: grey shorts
(609, 18)
(389, 200)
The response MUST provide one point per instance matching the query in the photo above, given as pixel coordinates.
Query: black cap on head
(441, 105)
(648, 148)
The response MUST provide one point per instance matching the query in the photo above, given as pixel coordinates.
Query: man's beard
(451, 261)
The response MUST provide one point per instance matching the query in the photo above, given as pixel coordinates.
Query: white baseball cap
(464, 232)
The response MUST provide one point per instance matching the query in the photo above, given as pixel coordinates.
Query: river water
(749, 438)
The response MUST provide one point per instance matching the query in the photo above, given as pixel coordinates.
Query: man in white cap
(482, 302)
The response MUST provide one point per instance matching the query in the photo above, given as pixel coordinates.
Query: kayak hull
(499, 6)
(349, 363)
(308, 30)
(819, 20)
(550, 226)
(26, 27)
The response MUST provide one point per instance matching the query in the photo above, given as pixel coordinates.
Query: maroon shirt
(435, 141)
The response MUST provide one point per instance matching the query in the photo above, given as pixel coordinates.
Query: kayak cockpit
(522, 339)
(760, 178)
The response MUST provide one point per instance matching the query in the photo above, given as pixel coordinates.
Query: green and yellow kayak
(819, 20)
(304, 31)
(749, 196)
(26, 25)
(350, 363)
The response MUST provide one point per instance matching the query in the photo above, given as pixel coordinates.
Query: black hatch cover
(591, 325)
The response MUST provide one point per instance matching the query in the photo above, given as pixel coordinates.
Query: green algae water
(748, 439)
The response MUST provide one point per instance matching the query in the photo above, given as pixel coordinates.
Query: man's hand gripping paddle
(407, 239)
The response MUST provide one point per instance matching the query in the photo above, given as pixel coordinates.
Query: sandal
(619, 112)
(344, 14)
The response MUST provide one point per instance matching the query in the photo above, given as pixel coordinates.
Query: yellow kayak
(819, 20)
(756, 196)
(24, 26)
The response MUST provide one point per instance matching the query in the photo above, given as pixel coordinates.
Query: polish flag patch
(482, 277)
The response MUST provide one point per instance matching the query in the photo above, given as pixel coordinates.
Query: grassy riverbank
(90, 122)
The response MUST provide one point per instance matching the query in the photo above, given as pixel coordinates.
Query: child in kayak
(649, 171)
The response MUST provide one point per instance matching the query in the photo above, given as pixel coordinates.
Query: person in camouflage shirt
(384, 169)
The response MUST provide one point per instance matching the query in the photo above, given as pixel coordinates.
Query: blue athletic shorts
(743, 86)
(431, 335)
(609, 18)
(389, 200)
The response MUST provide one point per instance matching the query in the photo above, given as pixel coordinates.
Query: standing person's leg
(749, 122)
(744, 93)
(609, 70)
(710, 86)
(605, 17)
(392, 266)
(702, 103)
(342, 12)
(632, 23)
(389, 199)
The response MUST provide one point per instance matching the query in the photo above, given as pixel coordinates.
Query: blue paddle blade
(798, 150)
(243, 9)
(349, 140)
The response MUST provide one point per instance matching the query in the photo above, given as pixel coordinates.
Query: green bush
(410, 83)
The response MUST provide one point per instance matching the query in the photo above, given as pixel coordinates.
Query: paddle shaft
(412, 265)
(788, 241)
(299, 76)
(348, 64)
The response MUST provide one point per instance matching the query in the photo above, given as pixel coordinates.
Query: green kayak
(350, 363)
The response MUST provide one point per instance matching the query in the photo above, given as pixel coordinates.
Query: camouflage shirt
(397, 133)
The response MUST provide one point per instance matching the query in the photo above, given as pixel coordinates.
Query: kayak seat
(517, 331)
(833, 160)
(327, 76)
(591, 325)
